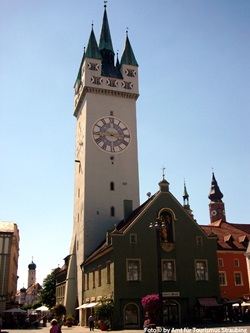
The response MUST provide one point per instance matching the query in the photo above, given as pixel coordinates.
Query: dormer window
(228, 238)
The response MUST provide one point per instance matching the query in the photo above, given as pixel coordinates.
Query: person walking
(91, 323)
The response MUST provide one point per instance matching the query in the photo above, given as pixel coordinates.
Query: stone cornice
(102, 91)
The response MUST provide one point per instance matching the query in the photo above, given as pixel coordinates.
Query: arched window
(112, 211)
(131, 315)
(112, 186)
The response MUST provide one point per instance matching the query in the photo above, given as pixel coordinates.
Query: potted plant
(69, 320)
(59, 311)
(103, 312)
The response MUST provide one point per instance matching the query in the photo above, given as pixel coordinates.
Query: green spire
(185, 197)
(92, 48)
(105, 42)
(79, 75)
(128, 57)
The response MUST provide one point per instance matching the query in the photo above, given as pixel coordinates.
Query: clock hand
(114, 134)
(110, 134)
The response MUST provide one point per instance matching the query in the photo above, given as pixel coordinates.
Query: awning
(86, 305)
(208, 301)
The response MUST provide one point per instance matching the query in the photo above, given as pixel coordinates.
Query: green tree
(48, 293)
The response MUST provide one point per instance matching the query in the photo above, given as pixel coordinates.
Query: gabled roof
(230, 236)
(119, 229)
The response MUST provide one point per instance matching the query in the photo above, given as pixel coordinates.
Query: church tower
(31, 274)
(216, 205)
(106, 185)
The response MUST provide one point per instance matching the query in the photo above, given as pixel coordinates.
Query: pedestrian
(55, 327)
(1, 323)
(91, 323)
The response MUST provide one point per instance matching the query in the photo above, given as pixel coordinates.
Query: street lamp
(158, 225)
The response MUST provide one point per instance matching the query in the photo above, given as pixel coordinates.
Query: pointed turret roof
(215, 194)
(185, 197)
(79, 75)
(92, 50)
(106, 50)
(128, 57)
(105, 42)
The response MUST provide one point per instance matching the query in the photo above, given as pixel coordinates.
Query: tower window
(127, 85)
(96, 80)
(112, 186)
(130, 72)
(93, 67)
(112, 211)
(112, 83)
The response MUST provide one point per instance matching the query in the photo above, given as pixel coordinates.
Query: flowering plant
(151, 303)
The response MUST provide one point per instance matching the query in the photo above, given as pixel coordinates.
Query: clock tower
(106, 181)
(216, 205)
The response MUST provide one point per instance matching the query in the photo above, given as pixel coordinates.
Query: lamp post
(157, 225)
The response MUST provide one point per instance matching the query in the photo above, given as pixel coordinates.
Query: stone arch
(131, 315)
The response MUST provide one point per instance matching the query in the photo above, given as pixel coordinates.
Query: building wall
(231, 263)
(138, 242)
(9, 253)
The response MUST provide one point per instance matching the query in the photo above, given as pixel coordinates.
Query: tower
(216, 205)
(106, 184)
(31, 273)
(186, 200)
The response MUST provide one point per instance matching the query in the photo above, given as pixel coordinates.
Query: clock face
(214, 212)
(111, 134)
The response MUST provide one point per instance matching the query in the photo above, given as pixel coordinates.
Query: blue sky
(192, 114)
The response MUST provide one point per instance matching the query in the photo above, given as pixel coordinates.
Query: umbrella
(16, 310)
(42, 308)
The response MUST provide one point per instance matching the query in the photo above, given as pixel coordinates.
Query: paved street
(78, 329)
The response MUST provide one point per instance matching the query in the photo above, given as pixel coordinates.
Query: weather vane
(105, 3)
(163, 172)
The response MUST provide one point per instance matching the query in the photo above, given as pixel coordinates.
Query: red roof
(231, 236)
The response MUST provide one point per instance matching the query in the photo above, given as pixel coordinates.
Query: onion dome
(32, 266)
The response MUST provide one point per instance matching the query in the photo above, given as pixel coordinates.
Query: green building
(158, 248)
